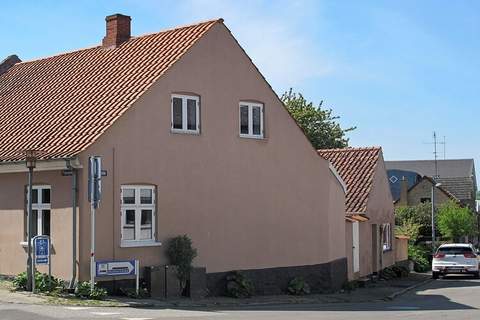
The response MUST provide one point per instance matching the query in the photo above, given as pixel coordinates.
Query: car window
(455, 250)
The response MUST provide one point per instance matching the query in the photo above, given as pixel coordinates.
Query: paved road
(454, 298)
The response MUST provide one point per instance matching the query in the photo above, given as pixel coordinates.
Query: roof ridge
(350, 149)
(131, 38)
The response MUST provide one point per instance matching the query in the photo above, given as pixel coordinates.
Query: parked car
(455, 258)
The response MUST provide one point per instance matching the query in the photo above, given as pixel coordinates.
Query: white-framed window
(185, 114)
(387, 236)
(41, 209)
(138, 214)
(251, 120)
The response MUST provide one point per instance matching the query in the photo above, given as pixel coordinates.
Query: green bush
(132, 293)
(181, 253)
(298, 286)
(43, 283)
(419, 256)
(83, 291)
(239, 286)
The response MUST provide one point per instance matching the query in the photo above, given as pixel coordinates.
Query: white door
(355, 246)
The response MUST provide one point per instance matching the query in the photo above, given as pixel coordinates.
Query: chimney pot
(118, 30)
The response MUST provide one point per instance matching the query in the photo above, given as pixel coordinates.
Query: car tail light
(439, 256)
(469, 255)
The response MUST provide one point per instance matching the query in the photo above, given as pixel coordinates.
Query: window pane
(46, 223)
(34, 196)
(177, 113)
(146, 225)
(45, 195)
(256, 120)
(146, 196)
(191, 114)
(129, 196)
(34, 223)
(129, 226)
(244, 119)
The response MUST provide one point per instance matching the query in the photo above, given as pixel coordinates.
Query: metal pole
(92, 251)
(49, 262)
(29, 231)
(74, 227)
(433, 216)
(33, 269)
(137, 274)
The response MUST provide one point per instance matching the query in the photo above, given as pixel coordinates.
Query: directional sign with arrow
(116, 268)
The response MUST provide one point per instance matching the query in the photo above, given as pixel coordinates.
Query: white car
(455, 258)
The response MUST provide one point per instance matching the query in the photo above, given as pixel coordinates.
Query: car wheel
(435, 275)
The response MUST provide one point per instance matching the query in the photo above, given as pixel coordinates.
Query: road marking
(105, 313)
(136, 318)
(78, 308)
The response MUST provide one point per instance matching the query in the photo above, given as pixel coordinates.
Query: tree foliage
(454, 221)
(320, 125)
(412, 216)
(181, 253)
(410, 229)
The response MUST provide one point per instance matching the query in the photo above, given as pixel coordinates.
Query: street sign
(42, 249)
(94, 180)
(116, 268)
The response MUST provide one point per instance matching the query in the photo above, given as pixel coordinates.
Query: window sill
(247, 136)
(387, 250)
(139, 243)
(190, 132)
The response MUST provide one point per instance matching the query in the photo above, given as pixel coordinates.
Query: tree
(410, 229)
(419, 215)
(320, 125)
(181, 253)
(454, 221)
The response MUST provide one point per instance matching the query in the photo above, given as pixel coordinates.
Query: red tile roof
(62, 104)
(356, 166)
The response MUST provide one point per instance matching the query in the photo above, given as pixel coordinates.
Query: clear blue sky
(398, 70)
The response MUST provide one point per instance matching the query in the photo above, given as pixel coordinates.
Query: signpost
(41, 255)
(94, 196)
(119, 268)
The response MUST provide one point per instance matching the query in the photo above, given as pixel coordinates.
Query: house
(421, 192)
(456, 176)
(369, 220)
(194, 141)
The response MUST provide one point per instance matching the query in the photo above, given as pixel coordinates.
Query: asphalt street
(453, 298)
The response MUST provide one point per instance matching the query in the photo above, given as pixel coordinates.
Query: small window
(41, 208)
(138, 213)
(387, 236)
(185, 114)
(251, 120)
(425, 200)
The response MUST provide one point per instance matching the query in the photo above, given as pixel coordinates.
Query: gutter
(41, 165)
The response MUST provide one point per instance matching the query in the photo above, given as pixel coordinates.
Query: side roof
(61, 104)
(356, 167)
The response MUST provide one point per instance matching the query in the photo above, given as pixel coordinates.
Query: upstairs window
(251, 120)
(185, 114)
(387, 236)
(41, 208)
(138, 213)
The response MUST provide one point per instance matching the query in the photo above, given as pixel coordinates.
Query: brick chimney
(118, 30)
(403, 201)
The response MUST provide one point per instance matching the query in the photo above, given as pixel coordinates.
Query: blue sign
(116, 268)
(42, 249)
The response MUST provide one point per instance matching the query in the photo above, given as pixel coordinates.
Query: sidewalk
(378, 291)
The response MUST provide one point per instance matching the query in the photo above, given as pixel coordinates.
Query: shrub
(132, 293)
(455, 222)
(43, 282)
(181, 253)
(419, 256)
(83, 291)
(239, 286)
(298, 286)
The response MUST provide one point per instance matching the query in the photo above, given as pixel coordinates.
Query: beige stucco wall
(245, 203)
(12, 214)
(401, 249)
(379, 210)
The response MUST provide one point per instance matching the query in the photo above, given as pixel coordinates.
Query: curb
(403, 291)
